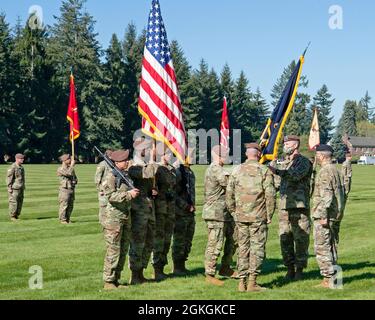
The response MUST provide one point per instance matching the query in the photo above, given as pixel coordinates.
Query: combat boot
(252, 285)
(135, 278)
(242, 286)
(291, 274)
(227, 271)
(299, 274)
(326, 283)
(109, 286)
(179, 268)
(159, 274)
(212, 280)
(14, 219)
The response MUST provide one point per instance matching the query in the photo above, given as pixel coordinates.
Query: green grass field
(72, 256)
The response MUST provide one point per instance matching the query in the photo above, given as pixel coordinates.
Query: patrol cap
(253, 145)
(324, 148)
(292, 138)
(220, 151)
(20, 156)
(65, 157)
(120, 155)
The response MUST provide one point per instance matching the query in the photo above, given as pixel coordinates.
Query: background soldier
(251, 200)
(164, 214)
(16, 186)
(185, 219)
(328, 210)
(68, 182)
(347, 173)
(220, 223)
(294, 208)
(142, 213)
(101, 172)
(116, 222)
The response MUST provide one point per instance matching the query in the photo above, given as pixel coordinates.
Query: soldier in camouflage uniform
(16, 186)
(164, 214)
(220, 223)
(294, 208)
(185, 219)
(142, 212)
(251, 200)
(327, 212)
(101, 172)
(68, 182)
(116, 221)
(347, 174)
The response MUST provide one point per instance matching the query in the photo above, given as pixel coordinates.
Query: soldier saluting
(68, 182)
(16, 186)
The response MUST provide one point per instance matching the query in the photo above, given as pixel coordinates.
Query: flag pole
(72, 126)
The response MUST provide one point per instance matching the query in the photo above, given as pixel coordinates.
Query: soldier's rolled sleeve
(65, 172)
(230, 199)
(116, 196)
(99, 176)
(10, 178)
(327, 193)
(270, 194)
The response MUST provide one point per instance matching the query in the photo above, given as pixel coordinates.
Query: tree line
(34, 88)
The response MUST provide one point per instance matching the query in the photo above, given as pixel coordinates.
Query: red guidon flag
(314, 139)
(72, 115)
(159, 100)
(224, 127)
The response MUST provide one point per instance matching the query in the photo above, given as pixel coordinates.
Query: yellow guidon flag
(314, 139)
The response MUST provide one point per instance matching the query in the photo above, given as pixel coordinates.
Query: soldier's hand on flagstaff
(134, 193)
(324, 222)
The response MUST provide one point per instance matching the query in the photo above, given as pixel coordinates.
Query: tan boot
(212, 280)
(252, 285)
(13, 219)
(242, 286)
(227, 271)
(326, 284)
(159, 274)
(291, 274)
(109, 286)
(135, 278)
(299, 274)
(179, 268)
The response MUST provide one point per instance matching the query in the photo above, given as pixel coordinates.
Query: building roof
(362, 142)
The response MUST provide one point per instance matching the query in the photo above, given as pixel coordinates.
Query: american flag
(159, 100)
(224, 128)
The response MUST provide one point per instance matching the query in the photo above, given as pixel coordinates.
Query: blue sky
(258, 36)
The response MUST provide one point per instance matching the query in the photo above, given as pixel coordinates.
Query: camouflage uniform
(347, 173)
(185, 220)
(102, 171)
(16, 186)
(68, 182)
(142, 215)
(251, 200)
(164, 213)
(220, 223)
(294, 210)
(328, 203)
(116, 227)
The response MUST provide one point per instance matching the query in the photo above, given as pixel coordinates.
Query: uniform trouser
(183, 235)
(117, 242)
(164, 225)
(15, 202)
(103, 201)
(326, 240)
(66, 200)
(141, 239)
(294, 231)
(219, 234)
(252, 238)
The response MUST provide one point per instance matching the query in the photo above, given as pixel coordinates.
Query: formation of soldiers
(238, 207)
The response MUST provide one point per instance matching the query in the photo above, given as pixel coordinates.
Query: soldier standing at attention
(68, 182)
(251, 200)
(16, 187)
(327, 212)
(185, 219)
(220, 223)
(116, 221)
(164, 214)
(101, 172)
(347, 174)
(294, 208)
(142, 212)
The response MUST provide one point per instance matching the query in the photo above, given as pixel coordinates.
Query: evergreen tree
(365, 109)
(348, 122)
(226, 83)
(323, 102)
(298, 123)
(261, 111)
